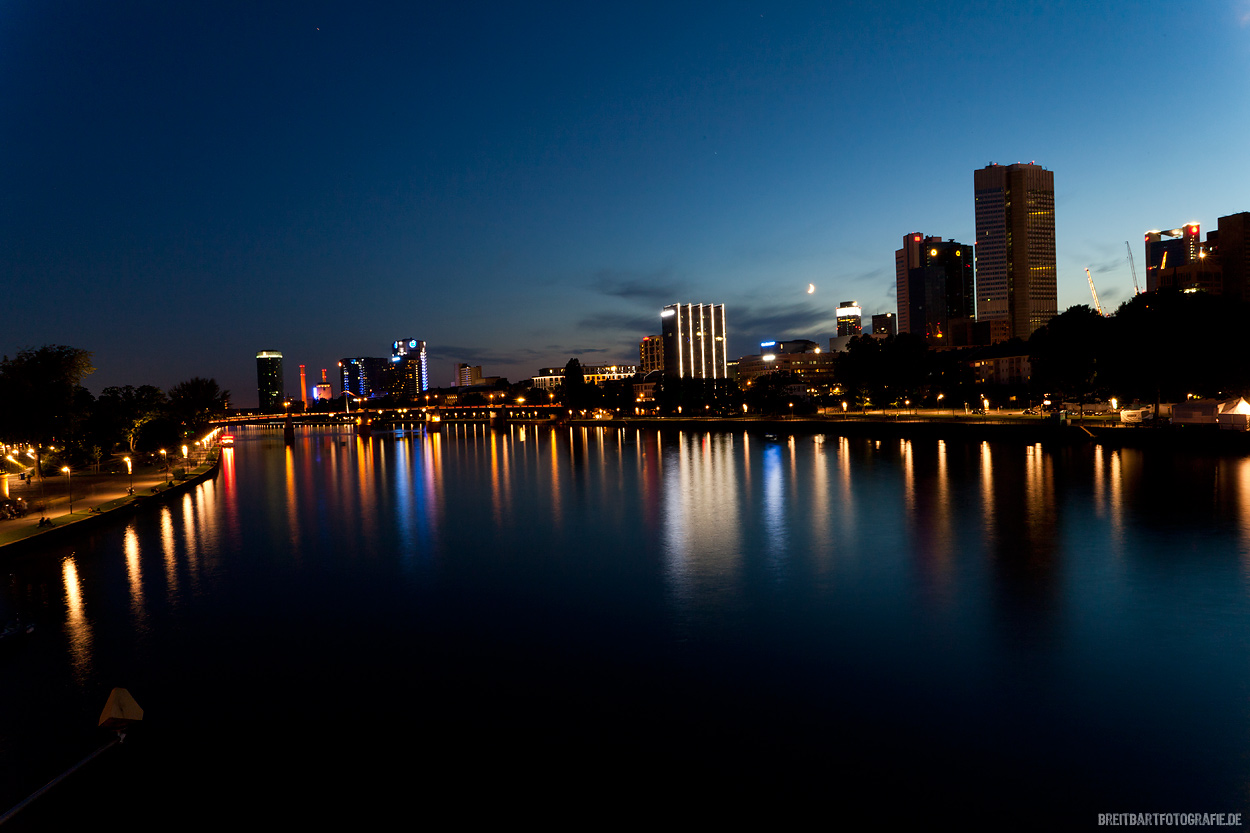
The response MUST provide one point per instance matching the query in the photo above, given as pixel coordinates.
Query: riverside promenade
(94, 495)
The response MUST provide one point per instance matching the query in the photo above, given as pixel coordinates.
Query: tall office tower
(651, 354)
(1233, 250)
(413, 376)
(885, 324)
(1016, 280)
(850, 319)
(303, 386)
(1182, 246)
(695, 341)
(269, 385)
(935, 288)
(363, 376)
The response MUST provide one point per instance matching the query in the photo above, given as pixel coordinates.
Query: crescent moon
(811, 287)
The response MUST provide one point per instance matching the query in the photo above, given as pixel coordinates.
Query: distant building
(467, 375)
(363, 376)
(695, 341)
(412, 374)
(1233, 250)
(1016, 287)
(850, 319)
(935, 287)
(800, 357)
(549, 378)
(651, 354)
(1170, 249)
(322, 392)
(269, 384)
(303, 386)
(885, 324)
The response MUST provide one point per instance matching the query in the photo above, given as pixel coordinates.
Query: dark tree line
(45, 404)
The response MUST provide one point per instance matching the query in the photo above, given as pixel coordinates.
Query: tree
(42, 395)
(127, 409)
(195, 402)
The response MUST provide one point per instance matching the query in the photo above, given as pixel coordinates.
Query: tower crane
(1132, 266)
(1094, 292)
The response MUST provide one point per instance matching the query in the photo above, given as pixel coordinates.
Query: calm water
(539, 622)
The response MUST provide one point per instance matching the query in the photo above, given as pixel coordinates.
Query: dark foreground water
(584, 624)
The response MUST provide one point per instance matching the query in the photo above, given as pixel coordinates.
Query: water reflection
(77, 626)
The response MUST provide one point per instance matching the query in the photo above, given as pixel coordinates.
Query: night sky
(517, 184)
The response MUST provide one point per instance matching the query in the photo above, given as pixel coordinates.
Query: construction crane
(1132, 266)
(1094, 292)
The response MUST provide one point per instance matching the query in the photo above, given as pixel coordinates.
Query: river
(532, 621)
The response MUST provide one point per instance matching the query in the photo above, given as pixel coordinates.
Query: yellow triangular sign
(120, 711)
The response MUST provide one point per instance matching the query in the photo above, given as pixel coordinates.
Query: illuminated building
(850, 319)
(885, 324)
(412, 374)
(363, 376)
(269, 384)
(799, 357)
(322, 391)
(651, 354)
(1016, 289)
(549, 378)
(695, 341)
(935, 288)
(1167, 250)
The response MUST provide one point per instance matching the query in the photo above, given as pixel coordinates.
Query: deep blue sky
(517, 185)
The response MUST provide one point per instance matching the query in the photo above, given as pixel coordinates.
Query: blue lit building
(411, 366)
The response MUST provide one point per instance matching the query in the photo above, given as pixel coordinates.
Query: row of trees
(45, 404)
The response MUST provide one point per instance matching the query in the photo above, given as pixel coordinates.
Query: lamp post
(165, 463)
(69, 487)
(130, 471)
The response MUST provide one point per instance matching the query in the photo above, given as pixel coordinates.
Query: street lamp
(130, 471)
(165, 463)
(69, 487)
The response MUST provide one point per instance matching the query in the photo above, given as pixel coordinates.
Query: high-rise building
(1016, 290)
(935, 288)
(269, 384)
(850, 319)
(651, 354)
(885, 324)
(1169, 249)
(1233, 250)
(363, 376)
(695, 341)
(413, 376)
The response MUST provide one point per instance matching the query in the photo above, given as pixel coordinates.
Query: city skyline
(517, 187)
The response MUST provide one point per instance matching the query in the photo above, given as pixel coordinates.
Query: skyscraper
(409, 358)
(850, 319)
(695, 341)
(1016, 277)
(363, 376)
(651, 354)
(269, 384)
(935, 288)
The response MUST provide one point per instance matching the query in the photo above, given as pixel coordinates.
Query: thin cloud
(655, 286)
(622, 321)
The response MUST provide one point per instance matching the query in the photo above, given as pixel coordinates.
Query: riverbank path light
(130, 470)
(165, 463)
(69, 487)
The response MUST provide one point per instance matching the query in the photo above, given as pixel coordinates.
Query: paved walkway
(90, 491)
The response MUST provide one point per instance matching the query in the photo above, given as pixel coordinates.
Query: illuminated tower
(303, 386)
(413, 375)
(935, 288)
(695, 341)
(1016, 279)
(850, 319)
(269, 385)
